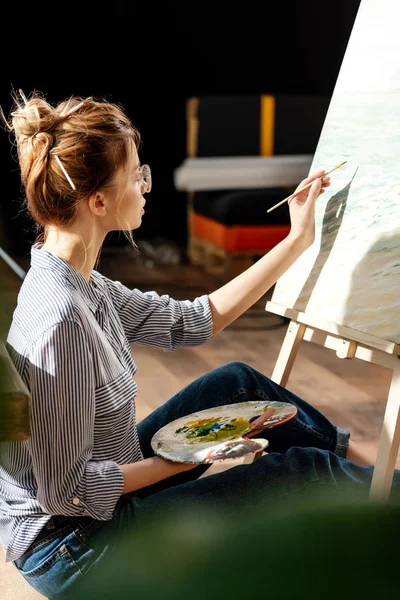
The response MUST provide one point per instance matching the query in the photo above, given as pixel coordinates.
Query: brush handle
(305, 187)
(294, 194)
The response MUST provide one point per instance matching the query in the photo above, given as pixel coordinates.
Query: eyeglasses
(145, 177)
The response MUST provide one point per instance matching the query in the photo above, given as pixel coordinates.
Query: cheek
(132, 200)
(133, 205)
(136, 202)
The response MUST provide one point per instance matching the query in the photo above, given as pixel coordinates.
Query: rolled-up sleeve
(154, 320)
(69, 481)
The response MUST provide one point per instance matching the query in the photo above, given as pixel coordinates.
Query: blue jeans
(304, 454)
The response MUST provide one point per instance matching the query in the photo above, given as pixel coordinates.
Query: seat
(244, 154)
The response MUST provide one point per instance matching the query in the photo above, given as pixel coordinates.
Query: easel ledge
(349, 343)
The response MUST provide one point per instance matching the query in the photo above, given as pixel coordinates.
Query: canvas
(351, 274)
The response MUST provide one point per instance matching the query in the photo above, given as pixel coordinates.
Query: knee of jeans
(238, 366)
(231, 369)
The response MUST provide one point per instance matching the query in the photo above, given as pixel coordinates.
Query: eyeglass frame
(145, 177)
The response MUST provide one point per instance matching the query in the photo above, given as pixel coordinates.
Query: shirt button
(76, 501)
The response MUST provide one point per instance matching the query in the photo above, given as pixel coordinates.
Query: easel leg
(287, 355)
(389, 442)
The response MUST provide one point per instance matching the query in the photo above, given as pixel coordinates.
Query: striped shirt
(70, 341)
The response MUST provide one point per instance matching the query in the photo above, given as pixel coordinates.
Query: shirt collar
(42, 259)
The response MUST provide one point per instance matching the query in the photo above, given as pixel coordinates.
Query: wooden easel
(349, 343)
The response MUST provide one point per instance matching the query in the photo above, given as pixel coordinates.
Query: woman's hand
(235, 297)
(302, 208)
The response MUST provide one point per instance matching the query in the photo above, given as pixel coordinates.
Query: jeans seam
(72, 559)
(63, 550)
(246, 392)
(89, 530)
(45, 540)
(49, 563)
(300, 425)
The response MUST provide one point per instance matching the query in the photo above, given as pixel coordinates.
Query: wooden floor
(349, 392)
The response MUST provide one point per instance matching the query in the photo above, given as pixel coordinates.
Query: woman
(88, 472)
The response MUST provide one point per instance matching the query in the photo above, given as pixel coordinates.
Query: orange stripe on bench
(238, 237)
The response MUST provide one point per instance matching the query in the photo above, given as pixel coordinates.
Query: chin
(136, 224)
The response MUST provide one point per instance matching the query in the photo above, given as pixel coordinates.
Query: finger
(253, 432)
(315, 190)
(312, 177)
(263, 419)
(316, 174)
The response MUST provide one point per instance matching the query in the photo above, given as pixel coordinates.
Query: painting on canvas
(351, 274)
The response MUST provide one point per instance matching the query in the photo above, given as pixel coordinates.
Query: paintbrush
(304, 188)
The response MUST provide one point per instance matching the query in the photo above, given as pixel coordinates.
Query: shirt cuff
(104, 484)
(198, 323)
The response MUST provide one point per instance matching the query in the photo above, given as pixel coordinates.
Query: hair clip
(74, 108)
(63, 169)
(24, 98)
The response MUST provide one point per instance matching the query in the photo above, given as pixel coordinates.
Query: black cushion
(243, 207)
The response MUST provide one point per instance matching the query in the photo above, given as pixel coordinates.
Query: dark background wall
(150, 57)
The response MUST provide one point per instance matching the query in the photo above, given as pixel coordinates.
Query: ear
(97, 204)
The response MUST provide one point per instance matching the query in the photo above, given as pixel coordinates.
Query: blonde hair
(68, 151)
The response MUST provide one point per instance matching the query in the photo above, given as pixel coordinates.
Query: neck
(79, 250)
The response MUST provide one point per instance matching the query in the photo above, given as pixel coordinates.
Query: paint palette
(218, 433)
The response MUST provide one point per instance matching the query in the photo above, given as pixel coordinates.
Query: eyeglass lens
(146, 175)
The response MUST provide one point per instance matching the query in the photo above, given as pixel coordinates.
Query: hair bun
(68, 151)
(43, 140)
(34, 118)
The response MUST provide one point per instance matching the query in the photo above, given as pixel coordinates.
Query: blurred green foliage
(307, 548)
